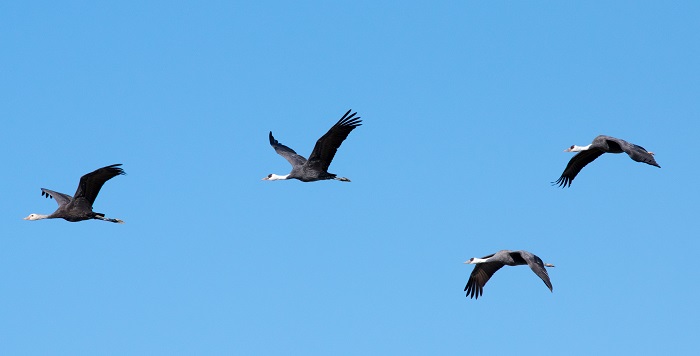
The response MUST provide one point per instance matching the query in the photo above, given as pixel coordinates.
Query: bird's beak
(27, 218)
(567, 150)
(466, 262)
(549, 265)
(264, 178)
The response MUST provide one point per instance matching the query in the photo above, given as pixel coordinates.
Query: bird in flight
(486, 266)
(79, 206)
(601, 144)
(316, 167)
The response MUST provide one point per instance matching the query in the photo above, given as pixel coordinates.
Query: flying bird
(316, 167)
(600, 145)
(488, 265)
(79, 206)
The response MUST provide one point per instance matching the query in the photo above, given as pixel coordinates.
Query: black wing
(480, 275)
(292, 157)
(328, 144)
(91, 183)
(576, 164)
(537, 266)
(61, 199)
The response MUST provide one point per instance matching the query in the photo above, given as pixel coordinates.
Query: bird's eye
(269, 175)
(572, 147)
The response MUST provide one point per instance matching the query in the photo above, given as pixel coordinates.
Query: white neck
(277, 177)
(36, 217)
(580, 148)
(477, 260)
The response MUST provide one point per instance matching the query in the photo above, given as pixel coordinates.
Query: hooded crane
(316, 167)
(600, 145)
(79, 206)
(488, 265)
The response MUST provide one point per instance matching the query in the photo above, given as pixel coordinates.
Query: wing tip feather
(563, 182)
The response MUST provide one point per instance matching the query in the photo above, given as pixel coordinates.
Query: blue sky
(467, 107)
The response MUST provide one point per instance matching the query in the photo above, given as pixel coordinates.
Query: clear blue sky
(467, 107)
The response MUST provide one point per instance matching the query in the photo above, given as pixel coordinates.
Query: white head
(35, 217)
(273, 176)
(575, 148)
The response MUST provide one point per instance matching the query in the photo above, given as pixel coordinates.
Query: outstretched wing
(480, 275)
(576, 164)
(639, 154)
(61, 199)
(91, 183)
(537, 266)
(292, 157)
(328, 144)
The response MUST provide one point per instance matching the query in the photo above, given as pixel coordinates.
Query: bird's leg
(651, 153)
(342, 179)
(108, 219)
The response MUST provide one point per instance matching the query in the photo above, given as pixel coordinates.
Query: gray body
(602, 144)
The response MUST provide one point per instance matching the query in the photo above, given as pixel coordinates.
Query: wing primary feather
(289, 154)
(327, 146)
(576, 164)
(91, 183)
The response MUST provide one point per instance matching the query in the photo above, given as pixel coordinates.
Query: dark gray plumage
(79, 206)
(316, 167)
(488, 265)
(601, 144)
